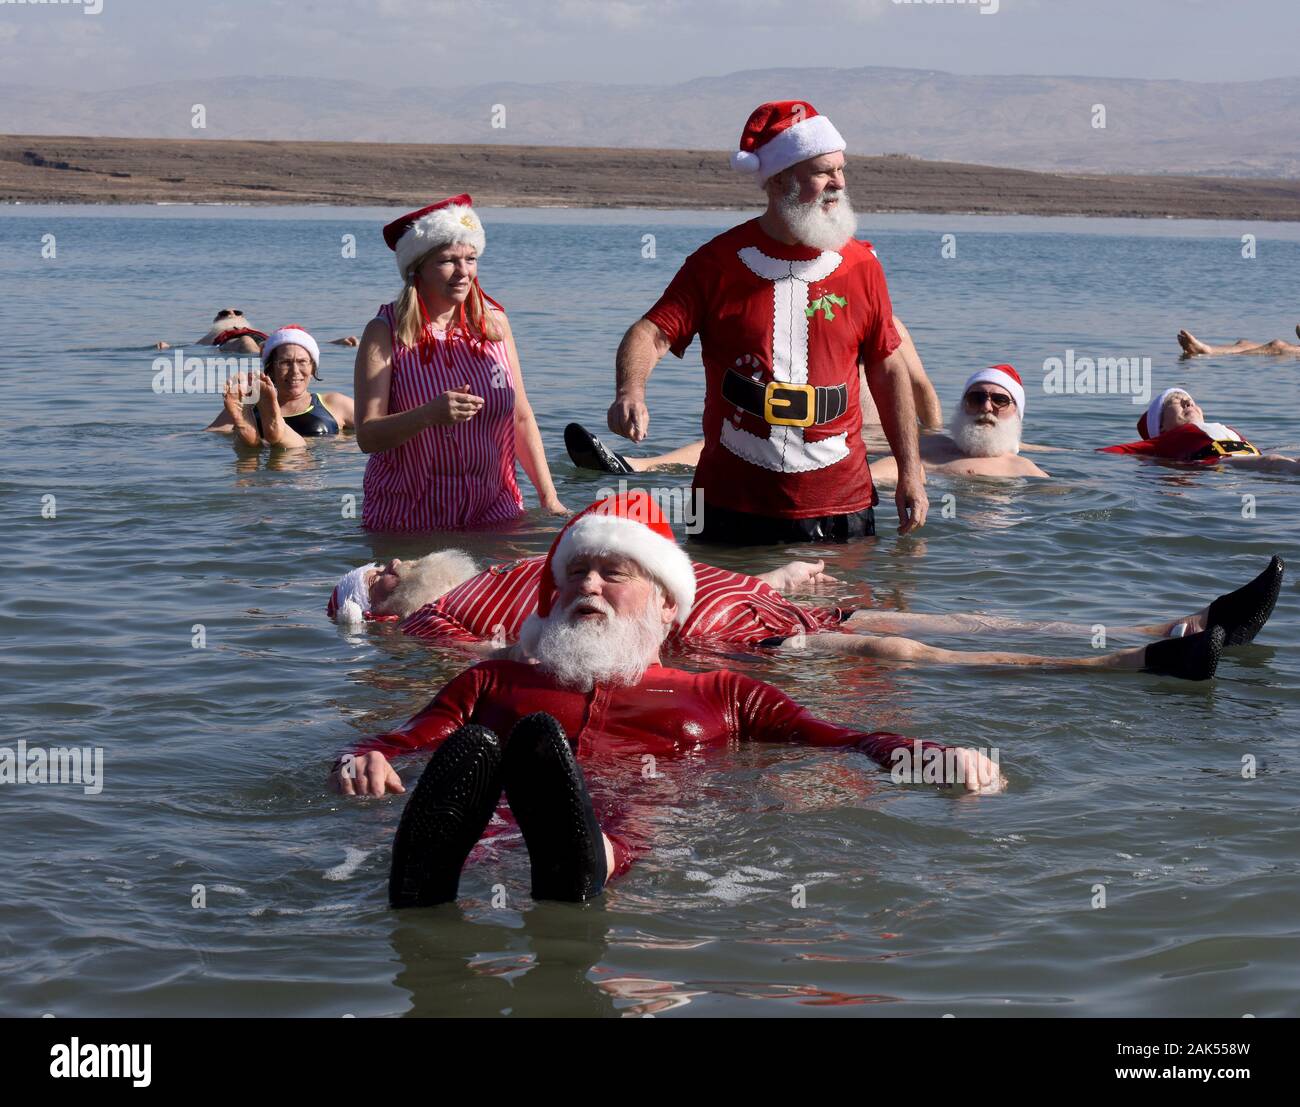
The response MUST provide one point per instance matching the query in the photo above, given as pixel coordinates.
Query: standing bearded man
(785, 306)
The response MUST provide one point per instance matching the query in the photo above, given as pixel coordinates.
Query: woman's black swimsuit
(315, 422)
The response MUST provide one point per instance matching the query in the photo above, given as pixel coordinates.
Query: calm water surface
(914, 903)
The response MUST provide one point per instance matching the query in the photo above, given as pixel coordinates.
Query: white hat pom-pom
(350, 614)
(744, 161)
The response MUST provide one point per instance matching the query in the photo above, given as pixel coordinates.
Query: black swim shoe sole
(1192, 657)
(548, 796)
(586, 451)
(1244, 612)
(444, 818)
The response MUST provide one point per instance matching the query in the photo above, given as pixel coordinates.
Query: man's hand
(629, 417)
(368, 774)
(798, 576)
(913, 504)
(976, 773)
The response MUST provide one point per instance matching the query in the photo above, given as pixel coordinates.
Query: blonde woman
(440, 401)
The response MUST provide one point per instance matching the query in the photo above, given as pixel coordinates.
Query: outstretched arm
(365, 770)
(797, 576)
(768, 715)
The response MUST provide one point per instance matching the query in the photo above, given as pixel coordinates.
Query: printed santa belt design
(781, 404)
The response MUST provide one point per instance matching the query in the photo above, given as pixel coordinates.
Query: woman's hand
(555, 507)
(456, 405)
(268, 403)
(237, 389)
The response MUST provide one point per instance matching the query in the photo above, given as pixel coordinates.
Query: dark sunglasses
(228, 311)
(976, 397)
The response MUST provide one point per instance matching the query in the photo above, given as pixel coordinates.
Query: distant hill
(1235, 129)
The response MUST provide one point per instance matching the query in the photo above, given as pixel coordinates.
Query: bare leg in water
(1194, 347)
(685, 455)
(906, 649)
(874, 621)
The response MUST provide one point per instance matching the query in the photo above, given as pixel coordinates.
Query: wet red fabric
(669, 713)
(1182, 443)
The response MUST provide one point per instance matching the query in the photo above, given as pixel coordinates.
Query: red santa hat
(1149, 423)
(1006, 377)
(292, 335)
(629, 525)
(448, 222)
(783, 133)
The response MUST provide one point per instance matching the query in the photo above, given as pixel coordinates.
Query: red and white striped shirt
(448, 477)
(730, 608)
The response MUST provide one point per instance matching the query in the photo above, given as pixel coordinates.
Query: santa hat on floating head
(632, 526)
(448, 222)
(292, 335)
(1004, 376)
(1149, 423)
(350, 600)
(783, 133)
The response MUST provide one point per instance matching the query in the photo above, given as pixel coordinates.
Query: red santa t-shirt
(795, 315)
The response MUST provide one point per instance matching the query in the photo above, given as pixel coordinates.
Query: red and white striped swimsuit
(730, 608)
(449, 477)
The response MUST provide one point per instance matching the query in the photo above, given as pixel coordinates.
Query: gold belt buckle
(771, 400)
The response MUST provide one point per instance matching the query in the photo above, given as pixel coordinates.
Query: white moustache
(594, 603)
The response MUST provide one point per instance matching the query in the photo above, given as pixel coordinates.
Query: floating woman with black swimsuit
(286, 412)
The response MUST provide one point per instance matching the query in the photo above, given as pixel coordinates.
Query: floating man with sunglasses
(785, 306)
(983, 439)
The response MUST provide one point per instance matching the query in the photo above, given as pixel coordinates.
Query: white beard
(815, 224)
(976, 439)
(229, 323)
(615, 650)
(426, 579)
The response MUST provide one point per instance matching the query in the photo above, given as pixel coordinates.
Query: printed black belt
(786, 405)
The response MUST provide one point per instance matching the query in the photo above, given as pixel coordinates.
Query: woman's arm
(528, 439)
(233, 419)
(378, 431)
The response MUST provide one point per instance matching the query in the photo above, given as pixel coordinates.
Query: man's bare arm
(891, 388)
(638, 354)
(925, 399)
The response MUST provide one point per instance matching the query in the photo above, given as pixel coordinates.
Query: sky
(444, 43)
